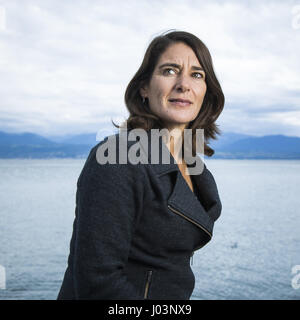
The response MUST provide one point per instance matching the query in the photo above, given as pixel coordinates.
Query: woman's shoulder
(108, 159)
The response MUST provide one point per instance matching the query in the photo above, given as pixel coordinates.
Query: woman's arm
(109, 199)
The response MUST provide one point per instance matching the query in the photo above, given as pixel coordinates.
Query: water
(256, 240)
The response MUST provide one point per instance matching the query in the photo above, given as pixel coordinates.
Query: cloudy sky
(64, 65)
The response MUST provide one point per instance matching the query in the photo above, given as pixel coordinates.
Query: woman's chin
(181, 121)
(177, 124)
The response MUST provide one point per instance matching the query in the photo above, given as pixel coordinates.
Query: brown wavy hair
(140, 115)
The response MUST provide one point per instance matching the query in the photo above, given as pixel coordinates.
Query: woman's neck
(174, 143)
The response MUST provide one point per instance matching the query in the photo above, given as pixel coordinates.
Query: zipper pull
(149, 275)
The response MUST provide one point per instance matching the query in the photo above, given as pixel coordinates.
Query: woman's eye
(169, 71)
(198, 75)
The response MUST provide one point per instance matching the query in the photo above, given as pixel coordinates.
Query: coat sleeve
(108, 203)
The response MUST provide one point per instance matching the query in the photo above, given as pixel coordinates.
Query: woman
(137, 225)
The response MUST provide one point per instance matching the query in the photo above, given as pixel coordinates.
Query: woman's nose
(182, 84)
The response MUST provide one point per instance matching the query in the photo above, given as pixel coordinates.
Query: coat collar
(182, 200)
(161, 167)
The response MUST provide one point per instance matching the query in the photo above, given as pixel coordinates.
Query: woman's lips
(180, 102)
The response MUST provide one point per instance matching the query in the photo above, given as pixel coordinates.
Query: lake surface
(256, 240)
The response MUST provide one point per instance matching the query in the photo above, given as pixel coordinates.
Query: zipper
(149, 275)
(192, 221)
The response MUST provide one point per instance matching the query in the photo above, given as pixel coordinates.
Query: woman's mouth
(180, 102)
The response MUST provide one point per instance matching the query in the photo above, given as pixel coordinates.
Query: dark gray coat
(135, 229)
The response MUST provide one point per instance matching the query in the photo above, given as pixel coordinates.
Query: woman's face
(177, 87)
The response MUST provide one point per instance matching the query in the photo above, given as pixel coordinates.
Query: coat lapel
(182, 200)
(185, 203)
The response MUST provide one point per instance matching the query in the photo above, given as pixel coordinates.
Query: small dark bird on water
(233, 246)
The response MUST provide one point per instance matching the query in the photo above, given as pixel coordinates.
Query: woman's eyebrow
(175, 65)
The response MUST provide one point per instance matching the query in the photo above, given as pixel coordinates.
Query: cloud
(65, 65)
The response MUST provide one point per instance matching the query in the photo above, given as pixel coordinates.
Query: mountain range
(229, 145)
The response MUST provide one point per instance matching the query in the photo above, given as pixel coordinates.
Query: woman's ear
(143, 92)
